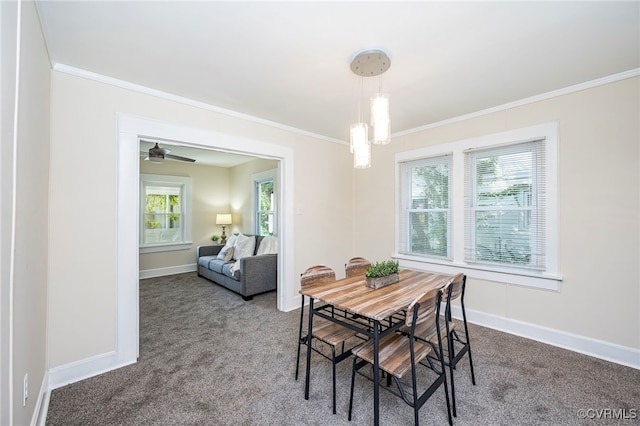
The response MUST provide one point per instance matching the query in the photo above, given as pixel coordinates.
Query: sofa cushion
(216, 265)
(228, 270)
(244, 246)
(204, 260)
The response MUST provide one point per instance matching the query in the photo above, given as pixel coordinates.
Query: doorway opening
(131, 130)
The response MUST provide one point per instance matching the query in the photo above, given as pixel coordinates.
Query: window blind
(504, 205)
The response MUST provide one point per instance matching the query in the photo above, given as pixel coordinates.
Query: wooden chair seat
(394, 353)
(331, 333)
(427, 332)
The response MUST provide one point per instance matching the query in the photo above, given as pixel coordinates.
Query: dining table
(371, 312)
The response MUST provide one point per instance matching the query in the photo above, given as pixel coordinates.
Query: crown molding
(78, 72)
(537, 98)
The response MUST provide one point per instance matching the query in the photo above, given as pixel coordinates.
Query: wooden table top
(351, 294)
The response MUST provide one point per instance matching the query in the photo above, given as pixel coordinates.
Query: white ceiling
(288, 62)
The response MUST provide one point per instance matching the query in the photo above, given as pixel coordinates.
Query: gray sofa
(257, 274)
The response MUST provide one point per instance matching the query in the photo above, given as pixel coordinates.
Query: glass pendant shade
(362, 157)
(359, 136)
(380, 119)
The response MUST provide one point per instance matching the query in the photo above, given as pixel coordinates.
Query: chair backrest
(457, 286)
(428, 307)
(356, 267)
(318, 274)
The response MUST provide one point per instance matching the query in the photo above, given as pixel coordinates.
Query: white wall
(82, 280)
(8, 78)
(25, 254)
(598, 303)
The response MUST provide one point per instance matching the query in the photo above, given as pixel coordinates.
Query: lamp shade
(223, 219)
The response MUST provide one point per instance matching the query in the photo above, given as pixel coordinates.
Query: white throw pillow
(226, 253)
(230, 241)
(268, 245)
(244, 246)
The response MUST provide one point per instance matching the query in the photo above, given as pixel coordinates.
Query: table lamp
(224, 220)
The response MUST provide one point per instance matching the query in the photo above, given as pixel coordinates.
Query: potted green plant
(381, 274)
(215, 238)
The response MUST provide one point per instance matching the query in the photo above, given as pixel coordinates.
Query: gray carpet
(209, 358)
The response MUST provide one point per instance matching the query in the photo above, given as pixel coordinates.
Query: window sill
(165, 247)
(521, 278)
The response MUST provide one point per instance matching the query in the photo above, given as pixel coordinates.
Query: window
(504, 205)
(485, 206)
(164, 213)
(264, 214)
(265, 202)
(425, 213)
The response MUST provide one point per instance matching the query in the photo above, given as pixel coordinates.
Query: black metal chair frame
(411, 397)
(453, 355)
(335, 359)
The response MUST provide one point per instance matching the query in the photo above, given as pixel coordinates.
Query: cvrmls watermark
(608, 413)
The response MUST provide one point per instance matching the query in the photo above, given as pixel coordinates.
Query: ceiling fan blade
(179, 158)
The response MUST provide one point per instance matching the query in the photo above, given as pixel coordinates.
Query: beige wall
(82, 280)
(24, 291)
(599, 188)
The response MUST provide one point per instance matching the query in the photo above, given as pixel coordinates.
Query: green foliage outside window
(161, 208)
(265, 208)
(429, 225)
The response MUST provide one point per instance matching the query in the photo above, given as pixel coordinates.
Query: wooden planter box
(380, 282)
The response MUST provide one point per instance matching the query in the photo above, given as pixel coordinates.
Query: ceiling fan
(157, 155)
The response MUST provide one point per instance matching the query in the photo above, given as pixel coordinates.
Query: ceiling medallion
(370, 63)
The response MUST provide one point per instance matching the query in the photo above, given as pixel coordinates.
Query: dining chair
(356, 266)
(400, 356)
(332, 334)
(457, 343)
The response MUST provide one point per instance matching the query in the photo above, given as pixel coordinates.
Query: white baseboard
(83, 369)
(585, 345)
(171, 270)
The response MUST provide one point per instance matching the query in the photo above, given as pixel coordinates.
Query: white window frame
(184, 183)
(406, 208)
(547, 279)
(258, 178)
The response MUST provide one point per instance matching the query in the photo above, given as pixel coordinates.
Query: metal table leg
(376, 373)
(309, 334)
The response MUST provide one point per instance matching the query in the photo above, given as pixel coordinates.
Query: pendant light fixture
(370, 63)
(359, 140)
(380, 119)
